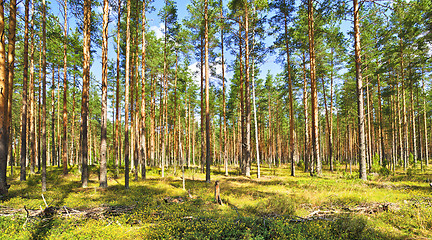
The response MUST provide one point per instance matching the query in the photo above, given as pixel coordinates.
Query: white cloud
(215, 78)
(158, 30)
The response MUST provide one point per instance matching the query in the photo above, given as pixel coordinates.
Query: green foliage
(383, 171)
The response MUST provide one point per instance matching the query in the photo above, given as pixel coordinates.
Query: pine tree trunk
(426, 148)
(207, 88)
(11, 72)
(143, 95)
(314, 95)
(103, 147)
(224, 148)
(65, 87)
(24, 97)
(44, 133)
(380, 125)
(127, 70)
(291, 100)
(85, 93)
(360, 110)
(308, 164)
(413, 125)
(202, 104)
(117, 109)
(3, 106)
(32, 99)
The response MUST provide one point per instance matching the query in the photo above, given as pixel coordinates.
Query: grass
(254, 208)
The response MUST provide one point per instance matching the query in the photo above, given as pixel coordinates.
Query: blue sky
(155, 24)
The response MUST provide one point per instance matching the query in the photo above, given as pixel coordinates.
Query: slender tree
(207, 99)
(24, 96)
(65, 88)
(143, 84)
(126, 141)
(360, 110)
(117, 103)
(44, 134)
(103, 152)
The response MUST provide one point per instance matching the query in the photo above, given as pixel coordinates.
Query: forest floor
(277, 206)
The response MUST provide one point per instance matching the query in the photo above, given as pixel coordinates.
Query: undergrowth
(275, 206)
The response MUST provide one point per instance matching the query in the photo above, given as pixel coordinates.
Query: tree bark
(207, 87)
(290, 96)
(65, 87)
(103, 152)
(44, 133)
(117, 109)
(127, 70)
(143, 102)
(32, 99)
(24, 96)
(360, 107)
(425, 128)
(314, 95)
(3, 106)
(85, 93)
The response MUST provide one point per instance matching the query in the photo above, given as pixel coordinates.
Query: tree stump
(217, 193)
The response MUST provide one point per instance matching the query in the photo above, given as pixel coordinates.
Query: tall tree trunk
(53, 134)
(307, 163)
(32, 99)
(404, 117)
(117, 109)
(202, 103)
(85, 93)
(143, 99)
(207, 87)
(44, 134)
(3, 106)
(65, 87)
(330, 124)
(74, 158)
(127, 70)
(242, 106)
(11, 71)
(413, 125)
(314, 94)
(103, 152)
(360, 110)
(380, 125)
(247, 94)
(24, 96)
(290, 95)
(425, 128)
(152, 122)
(224, 148)
(369, 131)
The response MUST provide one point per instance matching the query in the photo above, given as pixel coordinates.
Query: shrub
(383, 171)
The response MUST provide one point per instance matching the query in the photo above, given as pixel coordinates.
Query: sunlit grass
(254, 208)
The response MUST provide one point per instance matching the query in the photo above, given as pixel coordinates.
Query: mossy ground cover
(275, 206)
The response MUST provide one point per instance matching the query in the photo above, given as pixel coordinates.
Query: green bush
(383, 171)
